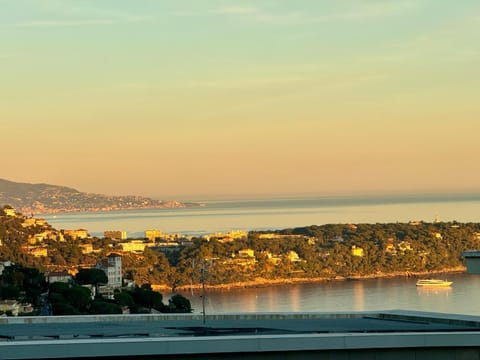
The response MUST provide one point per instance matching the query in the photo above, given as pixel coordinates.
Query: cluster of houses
(246, 257)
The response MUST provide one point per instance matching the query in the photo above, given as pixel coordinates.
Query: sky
(208, 98)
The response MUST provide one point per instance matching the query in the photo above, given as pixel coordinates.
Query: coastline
(262, 282)
(59, 211)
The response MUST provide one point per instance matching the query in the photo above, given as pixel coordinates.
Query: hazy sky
(192, 99)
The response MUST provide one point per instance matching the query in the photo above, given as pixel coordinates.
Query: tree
(103, 307)
(9, 292)
(69, 299)
(58, 287)
(91, 276)
(148, 298)
(124, 298)
(179, 304)
(63, 309)
(79, 297)
(29, 282)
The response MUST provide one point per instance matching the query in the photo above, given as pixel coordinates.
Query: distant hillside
(45, 198)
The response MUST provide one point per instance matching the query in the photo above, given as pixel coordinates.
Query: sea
(277, 213)
(280, 213)
(347, 296)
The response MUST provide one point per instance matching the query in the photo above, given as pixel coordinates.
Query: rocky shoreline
(261, 282)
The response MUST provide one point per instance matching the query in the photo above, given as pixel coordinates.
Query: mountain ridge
(46, 199)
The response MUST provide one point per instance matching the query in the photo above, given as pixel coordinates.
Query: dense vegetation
(326, 251)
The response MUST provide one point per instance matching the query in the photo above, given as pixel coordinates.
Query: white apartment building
(112, 266)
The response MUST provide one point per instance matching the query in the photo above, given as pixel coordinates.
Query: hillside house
(404, 246)
(137, 246)
(292, 256)
(76, 234)
(37, 251)
(58, 276)
(9, 211)
(357, 251)
(247, 253)
(86, 248)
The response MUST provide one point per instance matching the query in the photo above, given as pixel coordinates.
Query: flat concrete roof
(124, 326)
(176, 334)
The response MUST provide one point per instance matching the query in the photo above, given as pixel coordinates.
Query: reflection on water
(433, 291)
(296, 297)
(358, 295)
(347, 296)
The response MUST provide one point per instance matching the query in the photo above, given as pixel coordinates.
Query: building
(115, 234)
(284, 336)
(40, 237)
(9, 211)
(14, 307)
(11, 306)
(245, 257)
(247, 253)
(279, 236)
(37, 251)
(56, 236)
(472, 260)
(76, 234)
(28, 222)
(58, 276)
(112, 266)
(357, 251)
(227, 237)
(153, 234)
(405, 246)
(292, 256)
(86, 248)
(136, 246)
(390, 248)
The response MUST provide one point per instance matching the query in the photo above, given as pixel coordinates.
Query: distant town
(48, 199)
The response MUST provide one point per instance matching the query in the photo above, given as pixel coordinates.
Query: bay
(267, 214)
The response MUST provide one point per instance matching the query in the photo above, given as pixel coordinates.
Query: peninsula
(48, 199)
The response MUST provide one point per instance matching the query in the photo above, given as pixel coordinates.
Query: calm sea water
(348, 296)
(223, 216)
(366, 295)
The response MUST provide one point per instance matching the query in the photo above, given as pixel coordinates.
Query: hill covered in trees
(330, 252)
(45, 198)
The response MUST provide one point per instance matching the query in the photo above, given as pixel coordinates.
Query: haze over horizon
(218, 98)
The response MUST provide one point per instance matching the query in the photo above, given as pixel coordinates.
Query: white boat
(433, 282)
